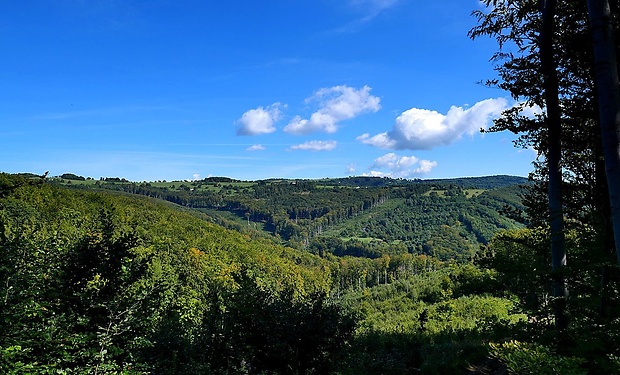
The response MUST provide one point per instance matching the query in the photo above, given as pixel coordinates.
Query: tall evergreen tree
(608, 89)
(554, 154)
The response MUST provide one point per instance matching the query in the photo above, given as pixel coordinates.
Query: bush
(525, 358)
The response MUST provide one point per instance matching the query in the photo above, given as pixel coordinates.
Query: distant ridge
(482, 182)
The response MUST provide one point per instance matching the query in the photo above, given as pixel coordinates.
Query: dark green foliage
(95, 283)
(574, 342)
(487, 183)
(8, 183)
(71, 176)
(338, 247)
(428, 323)
(112, 283)
(523, 358)
(358, 216)
(257, 330)
(448, 227)
(521, 259)
(109, 284)
(278, 333)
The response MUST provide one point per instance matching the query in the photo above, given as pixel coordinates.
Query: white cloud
(373, 7)
(351, 169)
(423, 129)
(259, 120)
(392, 165)
(369, 9)
(336, 104)
(196, 177)
(255, 148)
(531, 111)
(425, 166)
(377, 174)
(316, 146)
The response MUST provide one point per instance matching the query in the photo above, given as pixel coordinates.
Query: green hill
(109, 282)
(94, 282)
(362, 216)
(101, 278)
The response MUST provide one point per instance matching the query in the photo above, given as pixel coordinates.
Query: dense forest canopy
(487, 275)
(102, 282)
(111, 276)
(363, 216)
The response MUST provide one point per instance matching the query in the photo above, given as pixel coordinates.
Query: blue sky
(162, 89)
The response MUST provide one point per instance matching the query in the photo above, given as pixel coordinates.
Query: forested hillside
(361, 216)
(360, 275)
(106, 282)
(101, 282)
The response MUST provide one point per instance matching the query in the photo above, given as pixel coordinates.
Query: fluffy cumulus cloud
(336, 104)
(423, 129)
(259, 120)
(392, 165)
(316, 146)
(255, 148)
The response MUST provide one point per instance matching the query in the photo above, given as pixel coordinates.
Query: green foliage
(106, 283)
(523, 358)
(99, 283)
(263, 331)
(521, 261)
(521, 258)
(437, 321)
(71, 176)
(376, 215)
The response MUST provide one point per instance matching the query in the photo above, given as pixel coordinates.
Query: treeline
(288, 209)
(485, 182)
(421, 218)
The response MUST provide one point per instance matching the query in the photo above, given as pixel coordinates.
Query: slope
(94, 282)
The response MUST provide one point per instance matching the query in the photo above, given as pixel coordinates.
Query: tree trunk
(603, 221)
(554, 126)
(606, 78)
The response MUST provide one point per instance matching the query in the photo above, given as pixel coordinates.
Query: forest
(358, 275)
(111, 276)
(104, 281)
(354, 216)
